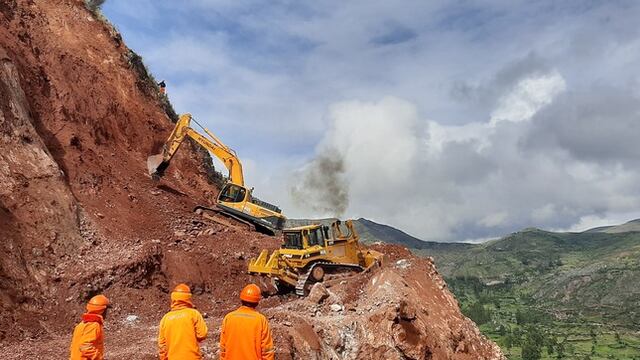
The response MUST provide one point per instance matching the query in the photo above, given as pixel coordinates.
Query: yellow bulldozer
(234, 200)
(311, 253)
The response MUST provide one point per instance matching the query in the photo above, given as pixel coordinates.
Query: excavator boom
(157, 164)
(234, 199)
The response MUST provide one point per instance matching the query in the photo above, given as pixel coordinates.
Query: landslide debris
(400, 311)
(79, 216)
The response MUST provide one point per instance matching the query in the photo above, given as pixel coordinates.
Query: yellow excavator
(312, 253)
(234, 200)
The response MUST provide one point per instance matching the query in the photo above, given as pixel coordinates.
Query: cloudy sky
(451, 120)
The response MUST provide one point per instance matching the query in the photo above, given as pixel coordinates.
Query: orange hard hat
(181, 294)
(182, 288)
(97, 304)
(251, 293)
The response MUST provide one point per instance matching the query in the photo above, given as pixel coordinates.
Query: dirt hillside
(79, 216)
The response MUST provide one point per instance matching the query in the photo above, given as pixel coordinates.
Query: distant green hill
(591, 274)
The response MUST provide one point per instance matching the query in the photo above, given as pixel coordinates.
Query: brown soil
(80, 216)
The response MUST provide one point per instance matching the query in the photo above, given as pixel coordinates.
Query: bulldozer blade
(153, 162)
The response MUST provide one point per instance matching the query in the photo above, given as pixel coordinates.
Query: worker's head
(98, 305)
(251, 295)
(181, 295)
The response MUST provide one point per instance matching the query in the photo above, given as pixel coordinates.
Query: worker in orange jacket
(88, 338)
(245, 333)
(182, 328)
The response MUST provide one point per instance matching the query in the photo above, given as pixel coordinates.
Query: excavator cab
(239, 202)
(232, 193)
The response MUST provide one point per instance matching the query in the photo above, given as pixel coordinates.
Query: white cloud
(495, 219)
(439, 135)
(471, 181)
(543, 213)
(379, 142)
(528, 96)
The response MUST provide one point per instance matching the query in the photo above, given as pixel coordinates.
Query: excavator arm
(157, 164)
(234, 199)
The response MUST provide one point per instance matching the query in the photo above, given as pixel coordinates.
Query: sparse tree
(502, 330)
(508, 341)
(552, 344)
(560, 350)
(532, 348)
(94, 5)
(594, 341)
(531, 351)
(478, 313)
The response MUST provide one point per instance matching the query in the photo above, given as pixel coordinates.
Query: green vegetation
(94, 5)
(148, 85)
(526, 330)
(544, 295)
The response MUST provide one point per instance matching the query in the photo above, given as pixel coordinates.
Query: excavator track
(208, 213)
(302, 286)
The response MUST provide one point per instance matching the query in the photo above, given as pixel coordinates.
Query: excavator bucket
(154, 163)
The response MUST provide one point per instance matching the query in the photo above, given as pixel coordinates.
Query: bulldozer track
(303, 281)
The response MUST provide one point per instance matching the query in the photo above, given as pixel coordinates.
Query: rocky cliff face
(38, 212)
(79, 215)
(75, 126)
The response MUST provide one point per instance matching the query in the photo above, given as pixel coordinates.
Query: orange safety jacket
(246, 335)
(88, 341)
(181, 329)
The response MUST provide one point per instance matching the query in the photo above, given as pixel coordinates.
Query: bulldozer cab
(319, 235)
(292, 240)
(303, 238)
(315, 237)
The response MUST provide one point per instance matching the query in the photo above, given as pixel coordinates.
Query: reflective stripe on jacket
(246, 335)
(88, 341)
(181, 329)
